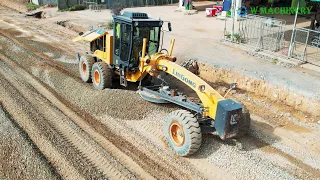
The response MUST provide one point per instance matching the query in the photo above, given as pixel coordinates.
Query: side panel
(228, 118)
(109, 49)
(107, 54)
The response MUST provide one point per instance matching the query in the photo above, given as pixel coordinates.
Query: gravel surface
(277, 148)
(20, 158)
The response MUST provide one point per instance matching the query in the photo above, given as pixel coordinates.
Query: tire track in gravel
(164, 167)
(44, 58)
(86, 150)
(20, 157)
(139, 156)
(15, 110)
(107, 145)
(156, 136)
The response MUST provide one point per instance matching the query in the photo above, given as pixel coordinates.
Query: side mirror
(169, 26)
(233, 85)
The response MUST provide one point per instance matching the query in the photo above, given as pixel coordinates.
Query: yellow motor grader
(132, 54)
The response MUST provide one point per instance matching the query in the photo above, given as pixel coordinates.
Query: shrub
(110, 24)
(236, 37)
(228, 35)
(78, 7)
(32, 7)
(63, 10)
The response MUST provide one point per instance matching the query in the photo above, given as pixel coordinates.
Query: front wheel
(182, 132)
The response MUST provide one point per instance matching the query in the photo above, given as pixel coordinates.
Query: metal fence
(260, 32)
(306, 45)
(270, 34)
(263, 33)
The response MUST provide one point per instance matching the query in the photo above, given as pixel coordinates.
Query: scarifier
(131, 54)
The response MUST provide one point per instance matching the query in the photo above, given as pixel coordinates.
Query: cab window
(125, 42)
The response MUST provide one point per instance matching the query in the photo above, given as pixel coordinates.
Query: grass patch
(32, 6)
(110, 25)
(275, 61)
(76, 7)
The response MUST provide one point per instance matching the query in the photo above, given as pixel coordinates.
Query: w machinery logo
(281, 10)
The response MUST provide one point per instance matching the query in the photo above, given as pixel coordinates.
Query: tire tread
(191, 126)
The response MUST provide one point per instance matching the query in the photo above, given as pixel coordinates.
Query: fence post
(293, 30)
(305, 58)
(233, 14)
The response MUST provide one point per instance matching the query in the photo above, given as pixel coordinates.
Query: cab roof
(131, 17)
(91, 35)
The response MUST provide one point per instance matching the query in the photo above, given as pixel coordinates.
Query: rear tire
(85, 65)
(101, 76)
(182, 132)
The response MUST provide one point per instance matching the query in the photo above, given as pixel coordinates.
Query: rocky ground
(82, 133)
(20, 158)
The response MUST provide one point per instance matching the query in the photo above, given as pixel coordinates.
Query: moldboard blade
(151, 97)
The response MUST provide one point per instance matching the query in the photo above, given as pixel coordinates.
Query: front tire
(101, 76)
(85, 65)
(182, 132)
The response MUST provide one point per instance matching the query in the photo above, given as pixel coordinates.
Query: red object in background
(211, 11)
(219, 8)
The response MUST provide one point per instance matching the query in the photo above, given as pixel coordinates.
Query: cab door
(122, 49)
(122, 44)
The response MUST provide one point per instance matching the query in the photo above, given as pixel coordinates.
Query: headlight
(164, 68)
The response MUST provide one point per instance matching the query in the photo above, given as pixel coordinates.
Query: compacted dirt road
(82, 133)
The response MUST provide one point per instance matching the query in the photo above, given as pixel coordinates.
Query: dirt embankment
(263, 89)
(18, 5)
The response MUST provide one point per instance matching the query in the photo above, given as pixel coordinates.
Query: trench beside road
(85, 133)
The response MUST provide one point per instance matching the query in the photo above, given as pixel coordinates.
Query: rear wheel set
(85, 66)
(99, 73)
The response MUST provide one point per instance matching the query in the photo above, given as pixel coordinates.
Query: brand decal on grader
(183, 78)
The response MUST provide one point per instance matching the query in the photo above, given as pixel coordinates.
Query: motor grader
(131, 54)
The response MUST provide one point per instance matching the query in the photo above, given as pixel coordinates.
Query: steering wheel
(164, 50)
